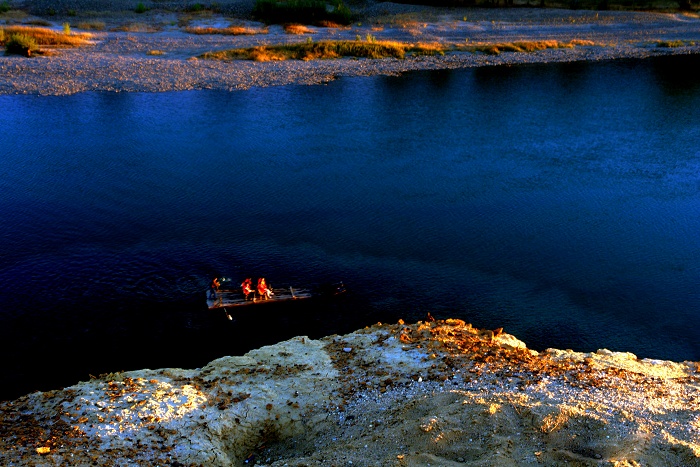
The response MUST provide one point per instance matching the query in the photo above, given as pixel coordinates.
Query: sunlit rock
(438, 392)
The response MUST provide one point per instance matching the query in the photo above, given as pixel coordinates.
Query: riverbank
(154, 52)
(430, 393)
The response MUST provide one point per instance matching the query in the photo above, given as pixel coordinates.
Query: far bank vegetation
(316, 12)
(617, 5)
(374, 49)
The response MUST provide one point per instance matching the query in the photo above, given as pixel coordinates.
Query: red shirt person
(247, 287)
(263, 290)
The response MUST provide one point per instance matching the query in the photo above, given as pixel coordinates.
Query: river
(560, 202)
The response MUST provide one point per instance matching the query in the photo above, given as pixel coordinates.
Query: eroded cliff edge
(430, 393)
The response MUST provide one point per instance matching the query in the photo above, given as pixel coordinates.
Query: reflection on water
(560, 202)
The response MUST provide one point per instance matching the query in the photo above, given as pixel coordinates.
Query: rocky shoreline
(429, 393)
(119, 60)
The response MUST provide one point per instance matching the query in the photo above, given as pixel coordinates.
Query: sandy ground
(153, 52)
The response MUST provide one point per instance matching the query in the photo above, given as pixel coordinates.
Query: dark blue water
(560, 202)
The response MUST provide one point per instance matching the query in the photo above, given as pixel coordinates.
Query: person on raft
(215, 287)
(264, 290)
(247, 287)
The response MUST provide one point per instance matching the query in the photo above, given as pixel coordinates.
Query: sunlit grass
(47, 37)
(295, 28)
(676, 43)
(325, 23)
(313, 50)
(374, 49)
(227, 31)
(523, 46)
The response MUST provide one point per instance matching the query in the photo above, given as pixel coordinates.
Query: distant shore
(153, 52)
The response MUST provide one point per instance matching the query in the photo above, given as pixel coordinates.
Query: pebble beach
(154, 52)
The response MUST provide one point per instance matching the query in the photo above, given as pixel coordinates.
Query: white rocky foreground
(433, 393)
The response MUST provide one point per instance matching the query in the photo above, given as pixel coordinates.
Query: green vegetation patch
(20, 44)
(523, 46)
(371, 48)
(676, 43)
(46, 36)
(325, 50)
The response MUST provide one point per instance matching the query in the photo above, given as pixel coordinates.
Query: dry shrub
(553, 421)
(533, 46)
(525, 46)
(490, 49)
(584, 42)
(264, 54)
(329, 24)
(427, 49)
(675, 43)
(314, 50)
(294, 28)
(412, 25)
(49, 37)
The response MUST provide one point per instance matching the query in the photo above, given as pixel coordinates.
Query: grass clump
(48, 37)
(301, 11)
(141, 8)
(229, 31)
(523, 46)
(4, 7)
(310, 50)
(676, 43)
(20, 44)
(375, 49)
(295, 28)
